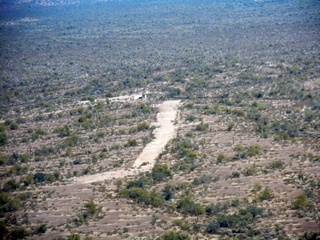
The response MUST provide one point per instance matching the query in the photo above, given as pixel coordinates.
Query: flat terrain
(164, 132)
(160, 119)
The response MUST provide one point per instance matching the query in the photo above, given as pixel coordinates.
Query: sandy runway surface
(164, 132)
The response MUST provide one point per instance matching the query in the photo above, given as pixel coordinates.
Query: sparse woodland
(245, 161)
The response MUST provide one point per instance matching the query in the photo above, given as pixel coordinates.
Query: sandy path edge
(164, 132)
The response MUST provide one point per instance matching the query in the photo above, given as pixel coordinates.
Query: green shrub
(106, 120)
(251, 171)
(69, 151)
(300, 202)
(19, 233)
(100, 134)
(25, 157)
(184, 225)
(174, 235)
(40, 177)
(245, 152)
(203, 179)
(309, 115)
(39, 131)
(83, 119)
(212, 110)
(310, 236)
(14, 126)
(115, 147)
(241, 219)
(266, 194)
(182, 165)
(168, 192)
(10, 185)
(41, 229)
(235, 203)
(181, 146)
(71, 141)
(88, 98)
(4, 231)
(142, 196)
(235, 175)
(78, 161)
(18, 170)
(63, 131)
(3, 159)
(257, 187)
(74, 237)
(258, 94)
(44, 151)
(189, 105)
(187, 206)
(174, 92)
(276, 164)
(90, 211)
(254, 150)
(8, 203)
(214, 209)
(230, 126)
(221, 158)
(190, 118)
(3, 136)
(238, 148)
(140, 182)
(160, 172)
(91, 208)
(144, 109)
(315, 158)
(132, 143)
(253, 210)
(263, 130)
(282, 136)
(213, 227)
(143, 126)
(202, 127)
(27, 180)
(238, 112)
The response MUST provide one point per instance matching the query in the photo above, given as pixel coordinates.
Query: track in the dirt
(164, 132)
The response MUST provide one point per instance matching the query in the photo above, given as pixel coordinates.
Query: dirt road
(164, 132)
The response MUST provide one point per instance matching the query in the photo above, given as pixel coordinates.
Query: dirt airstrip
(165, 130)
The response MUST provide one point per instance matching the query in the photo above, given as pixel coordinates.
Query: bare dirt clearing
(163, 133)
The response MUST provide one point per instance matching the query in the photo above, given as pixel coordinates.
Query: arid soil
(164, 132)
